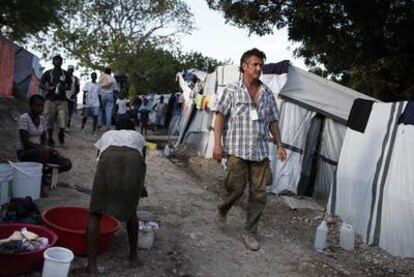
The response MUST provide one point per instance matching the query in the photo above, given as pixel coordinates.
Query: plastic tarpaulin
(210, 85)
(188, 96)
(275, 76)
(373, 185)
(294, 124)
(351, 195)
(6, 67)
(275, 83)
(198, 131)
(397, 220)
(34, 86)
(224, 75)
(27, 72)
(319, 94)
(331, 144)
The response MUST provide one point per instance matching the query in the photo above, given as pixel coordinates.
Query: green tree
(198, 61)
(21, 18)
(155, 69)
(110, 32)
(366, 45)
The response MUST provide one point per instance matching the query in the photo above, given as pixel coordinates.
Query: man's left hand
(281, 153)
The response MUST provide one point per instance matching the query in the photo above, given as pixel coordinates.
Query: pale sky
(216, 39)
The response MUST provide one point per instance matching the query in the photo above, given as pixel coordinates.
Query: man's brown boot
(251, 242)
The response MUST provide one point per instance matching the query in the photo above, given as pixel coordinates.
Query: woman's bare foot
(135, 262)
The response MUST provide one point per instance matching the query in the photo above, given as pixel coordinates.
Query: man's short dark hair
(107, 70)
(252, 52)
(57, 57)
(34, 98)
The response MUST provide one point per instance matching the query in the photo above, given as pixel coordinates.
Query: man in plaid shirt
(245, 114)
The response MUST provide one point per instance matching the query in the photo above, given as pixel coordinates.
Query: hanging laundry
(205, 103)
(197, 101)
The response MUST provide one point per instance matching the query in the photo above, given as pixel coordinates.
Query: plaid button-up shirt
(243, 135)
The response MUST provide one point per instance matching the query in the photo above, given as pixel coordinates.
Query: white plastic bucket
(57, 262)
(146, 239)
(6, 181)
(27, 179)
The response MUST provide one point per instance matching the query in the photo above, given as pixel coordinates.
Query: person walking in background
(136, 104)
(122, 107)
(108, 88)
(72, 93)
(91, 101)
(245, 114)
(55, 82)
(144, 112)
(117, 187)
(31, 141)
(160, 112)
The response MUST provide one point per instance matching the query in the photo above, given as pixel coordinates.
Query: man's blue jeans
(108, 106)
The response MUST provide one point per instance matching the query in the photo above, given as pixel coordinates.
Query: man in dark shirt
(55, 82)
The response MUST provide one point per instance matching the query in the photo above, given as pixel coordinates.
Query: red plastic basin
(20, 263)
(69, 223)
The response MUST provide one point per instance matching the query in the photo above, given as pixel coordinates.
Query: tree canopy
(129, 36)
(366, 45)
(108, 32)
(156, 69)
(22, 18)
(139, 38)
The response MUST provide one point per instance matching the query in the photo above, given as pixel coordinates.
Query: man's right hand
(218, 153)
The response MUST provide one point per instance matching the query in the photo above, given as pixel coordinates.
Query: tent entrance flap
(308, 174)
(187, 124)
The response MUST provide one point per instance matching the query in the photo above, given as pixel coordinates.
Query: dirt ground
(183, 194)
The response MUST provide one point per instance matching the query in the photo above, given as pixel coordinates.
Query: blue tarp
(26, 68)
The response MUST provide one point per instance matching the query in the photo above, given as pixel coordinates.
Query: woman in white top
(117, 186)
(31, 140)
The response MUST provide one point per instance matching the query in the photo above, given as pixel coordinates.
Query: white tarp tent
(312, 116)
(373, 188)
(313, 112)
(198, 128)
(191, 83)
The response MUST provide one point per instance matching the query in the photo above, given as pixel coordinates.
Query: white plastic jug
(57, 262)
(347, 237)
(321, 236)
(146, 239)
(27, 179)
(6, 180)
(167, 150)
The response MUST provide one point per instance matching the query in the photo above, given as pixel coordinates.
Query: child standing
(122, 108)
